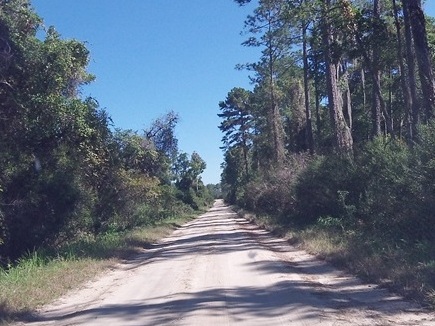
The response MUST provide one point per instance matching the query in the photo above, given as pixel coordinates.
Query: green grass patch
(42, 276)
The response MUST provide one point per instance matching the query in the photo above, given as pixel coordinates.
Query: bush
(41, 205)
(395, 202)
(274, 193)
(386, 189)
(423, 175)
(328, 187)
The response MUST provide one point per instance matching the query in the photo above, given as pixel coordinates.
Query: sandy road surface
(221, 270)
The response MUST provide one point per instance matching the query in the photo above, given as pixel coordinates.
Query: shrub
(40, 206)
(326, 188)
(274, 192)
(395, 200)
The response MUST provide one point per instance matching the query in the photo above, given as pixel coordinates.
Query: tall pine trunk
(347, 99)
(275, 123)
(418, 27)
(376, 76)
(406, 90)
(309, 127)
(343, 136)
(410, 65)
(373, 66)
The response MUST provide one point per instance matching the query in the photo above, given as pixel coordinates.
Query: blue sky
(152, 56)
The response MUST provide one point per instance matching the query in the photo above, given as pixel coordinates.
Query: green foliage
(64, 173)
(423, 178)
(161, 133)
(191, 189)
(385, 178)
(215, 190)
(386, 189)
(329, 222)
(233, 175)
(324, 187)
(372, 177)
(274, 192)
(237, 119)
(45, 204)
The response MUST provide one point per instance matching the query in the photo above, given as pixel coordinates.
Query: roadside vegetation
(404, 268)
(372, 215)
(42, 276)
(75, 191)
(67, 173)
(334, 147)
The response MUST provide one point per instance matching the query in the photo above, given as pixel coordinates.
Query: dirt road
(221, 270)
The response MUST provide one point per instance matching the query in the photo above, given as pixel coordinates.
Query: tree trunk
(376, 104)
(309, 126)
(418, 27)
(390, 101)
(245, 153)
(410, 63)
(363, 86)
(347, 100)
(318, 122)
(317, 98)
(376, 75)
(406, 90)
(276, 124)
(343, 136)
(373, 67)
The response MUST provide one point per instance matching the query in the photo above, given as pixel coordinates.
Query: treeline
(339, 128)
(64, 171)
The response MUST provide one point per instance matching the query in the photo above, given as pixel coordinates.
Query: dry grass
(407, 270)
(38, 280)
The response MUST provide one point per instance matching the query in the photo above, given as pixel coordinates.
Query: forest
(338, 133)
(65, 171)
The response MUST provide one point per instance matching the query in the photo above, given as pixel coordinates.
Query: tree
(304, 28)
(187, 171)
(215, 190)
(343, 136)
(299, 15)
(135, 153)
(410, 72)
(376, 73)
(161, 133)
(418, 24)
(160, 136)
(237, 124)
(187, 177)
(232, 177)
(273, 37)
(197, 166)
(54, 155)
(180, 169)
(64, 172)
(406, 89)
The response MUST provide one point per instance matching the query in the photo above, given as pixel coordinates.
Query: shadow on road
(242, 302)
(306, 294)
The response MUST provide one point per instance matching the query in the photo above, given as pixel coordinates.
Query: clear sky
(152, 56)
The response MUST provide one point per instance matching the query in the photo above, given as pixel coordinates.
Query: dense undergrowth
(407, 269)
(372, 213)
